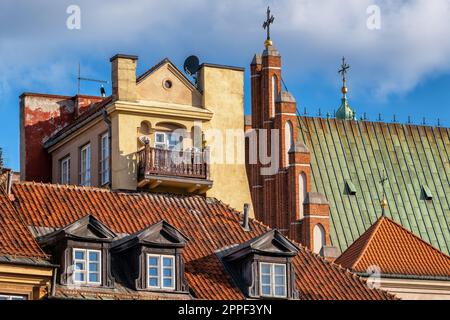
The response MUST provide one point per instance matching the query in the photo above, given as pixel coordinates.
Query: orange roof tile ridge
(374, 228)
(418, 238)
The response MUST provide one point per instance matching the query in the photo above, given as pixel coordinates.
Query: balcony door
(168, 141)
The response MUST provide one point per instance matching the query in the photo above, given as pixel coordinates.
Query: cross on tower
(343, 71)
(268, 22)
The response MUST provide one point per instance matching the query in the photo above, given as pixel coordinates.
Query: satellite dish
(191, 65)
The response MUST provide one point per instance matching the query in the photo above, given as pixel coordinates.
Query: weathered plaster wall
(40, 117)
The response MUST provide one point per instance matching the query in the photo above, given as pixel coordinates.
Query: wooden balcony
(187, 170)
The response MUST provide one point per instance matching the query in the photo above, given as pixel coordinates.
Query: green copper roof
(345, 112)
(360, 151)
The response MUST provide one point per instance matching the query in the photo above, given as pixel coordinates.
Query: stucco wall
(223, 94)
(125, 144)
(410, 289)
(71, 147)
(152, 88)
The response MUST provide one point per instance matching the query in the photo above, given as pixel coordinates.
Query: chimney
(123, 76)
(245, 221)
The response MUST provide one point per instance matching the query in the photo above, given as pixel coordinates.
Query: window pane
(79, 266)
(167, 283)
(152, 261)
(93, 277)
(153, 282)
(265, 279)
(17, 298)
(279, 280)
(167, 262)
(280, 291)
(3, 298)
(93, 256)
(152, 271)
(159, 137)
(280, 270)
(93, 266)
(167, 272)
(265, 268)
(266, 290)
(79, 276)
(79, 255)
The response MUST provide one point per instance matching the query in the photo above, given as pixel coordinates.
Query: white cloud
(413, 43)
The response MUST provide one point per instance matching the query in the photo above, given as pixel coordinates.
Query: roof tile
(209, 224)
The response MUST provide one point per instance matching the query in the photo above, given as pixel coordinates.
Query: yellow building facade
(150, 120)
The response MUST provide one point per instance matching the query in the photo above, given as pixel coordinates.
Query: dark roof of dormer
(161, 234)
(88, 228)
(271, 243)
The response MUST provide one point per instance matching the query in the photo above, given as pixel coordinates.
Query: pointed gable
(271, 243)
(161, 234)
(153, 85)
(395, 250)
(85, 228)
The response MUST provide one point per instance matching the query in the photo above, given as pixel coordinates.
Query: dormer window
(161, 272)
(87, 266)
(82, 250)
(262, 267)
(151, 259)
(273, 280)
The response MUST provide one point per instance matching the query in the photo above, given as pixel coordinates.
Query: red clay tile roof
(395, 250)
(15, 239)
(209, 224)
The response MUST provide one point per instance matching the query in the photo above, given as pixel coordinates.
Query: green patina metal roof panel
(360, 152)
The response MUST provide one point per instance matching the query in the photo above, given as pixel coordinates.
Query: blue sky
(403, 68)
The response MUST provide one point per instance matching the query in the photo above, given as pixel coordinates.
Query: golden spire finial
(383, 202)
(266, 25)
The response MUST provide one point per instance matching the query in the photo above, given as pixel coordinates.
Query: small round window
(167, 84)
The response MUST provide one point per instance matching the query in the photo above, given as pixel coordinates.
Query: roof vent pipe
(245, 222)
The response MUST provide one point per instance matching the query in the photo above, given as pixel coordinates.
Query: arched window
(301, 192)
(319, 238)
(288, 140)
(274, 94)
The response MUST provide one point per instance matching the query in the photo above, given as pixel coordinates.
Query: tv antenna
(80, 78)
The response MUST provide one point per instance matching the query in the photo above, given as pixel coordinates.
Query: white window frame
(161, 145)
(65, 170)
(272, 280)
(160, 268)
(10, 297)
(104, 159)
(86, 263)
(85, 166)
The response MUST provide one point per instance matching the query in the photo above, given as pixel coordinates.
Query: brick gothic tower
(282, 199)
